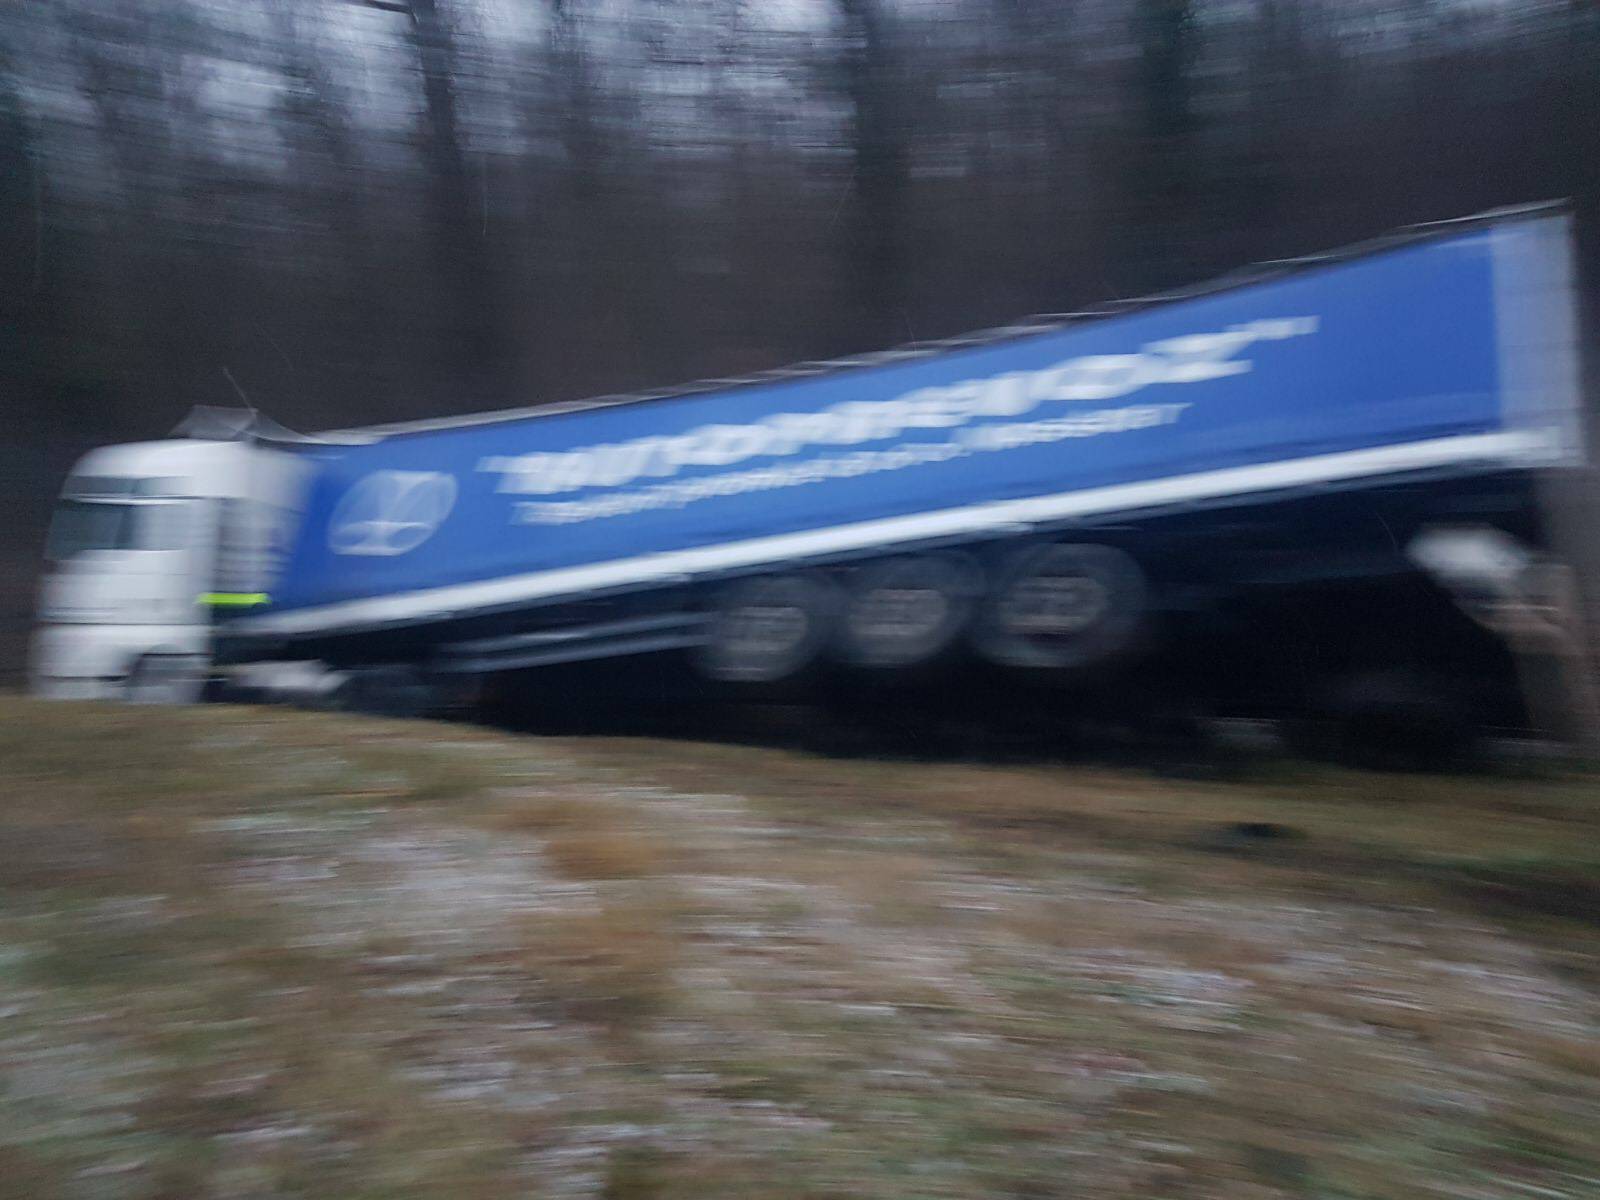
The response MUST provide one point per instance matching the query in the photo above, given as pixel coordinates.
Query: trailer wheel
(768, 628)
(904, 612)
(1062, 606)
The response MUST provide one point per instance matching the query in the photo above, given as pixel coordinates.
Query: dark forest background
(354, 211)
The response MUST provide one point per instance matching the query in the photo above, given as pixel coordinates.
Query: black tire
(170, 679)
(906, 612)
(768, 628)
(1062, 607)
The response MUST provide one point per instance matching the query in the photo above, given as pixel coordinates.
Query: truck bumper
(91, 662)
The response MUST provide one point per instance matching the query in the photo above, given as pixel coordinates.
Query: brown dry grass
(252, 953)
(612, 966)
(1532, 842)
(585, 835)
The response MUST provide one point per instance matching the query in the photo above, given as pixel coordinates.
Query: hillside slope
(250, 953)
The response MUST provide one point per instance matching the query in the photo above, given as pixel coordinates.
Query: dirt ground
(251, 953)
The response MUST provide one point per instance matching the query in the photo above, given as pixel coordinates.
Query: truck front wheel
(166, 679)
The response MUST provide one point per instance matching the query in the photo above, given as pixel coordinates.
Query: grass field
(254, 953)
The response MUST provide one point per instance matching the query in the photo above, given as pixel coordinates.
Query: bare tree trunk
(1161, 193)
(879, 182)
(476, 354)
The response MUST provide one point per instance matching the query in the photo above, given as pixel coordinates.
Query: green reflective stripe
(234, 599)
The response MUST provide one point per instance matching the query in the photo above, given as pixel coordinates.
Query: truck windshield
(81, 525)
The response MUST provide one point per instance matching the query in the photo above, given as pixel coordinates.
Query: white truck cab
(149, 541)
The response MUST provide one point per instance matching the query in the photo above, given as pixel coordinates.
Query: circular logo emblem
(391, 512)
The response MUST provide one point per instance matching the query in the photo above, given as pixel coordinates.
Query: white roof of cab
(208, 468)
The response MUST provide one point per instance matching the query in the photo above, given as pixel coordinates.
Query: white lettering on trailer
(1191, 358)
(862, 462)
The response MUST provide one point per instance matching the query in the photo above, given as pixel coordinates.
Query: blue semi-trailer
(1222, 488)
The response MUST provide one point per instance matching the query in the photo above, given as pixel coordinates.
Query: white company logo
(391, 512)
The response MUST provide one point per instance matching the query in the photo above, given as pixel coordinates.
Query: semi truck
(1272, 494)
